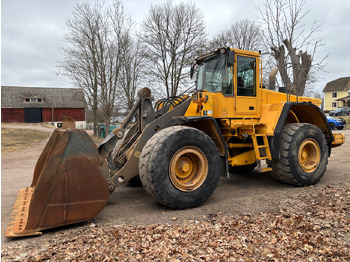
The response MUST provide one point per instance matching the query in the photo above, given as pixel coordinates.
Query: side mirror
(230, 58)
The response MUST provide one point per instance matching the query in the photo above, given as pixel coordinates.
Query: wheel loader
(180, 146)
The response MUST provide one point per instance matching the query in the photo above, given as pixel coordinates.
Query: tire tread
(151, 163)
(281, 167)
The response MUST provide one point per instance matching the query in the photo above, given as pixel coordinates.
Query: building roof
(41, 97)
(341, 84)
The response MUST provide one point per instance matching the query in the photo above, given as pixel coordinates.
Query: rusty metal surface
(68, 122)
(68, 186)
(45, 154)
(19, 214)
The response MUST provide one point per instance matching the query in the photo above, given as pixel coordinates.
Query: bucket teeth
(19, 216)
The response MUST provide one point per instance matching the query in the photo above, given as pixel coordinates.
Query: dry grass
(16, 139)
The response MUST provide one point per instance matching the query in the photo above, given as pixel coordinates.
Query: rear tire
(180, 167)
(303, 155)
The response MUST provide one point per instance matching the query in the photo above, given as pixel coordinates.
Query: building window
(334, 94)
(33, 100)
(334, 104)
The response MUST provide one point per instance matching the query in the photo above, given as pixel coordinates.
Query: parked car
(336, 123)
(341, 111)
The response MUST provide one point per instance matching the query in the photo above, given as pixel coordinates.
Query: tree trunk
(95, 112)
(279, 54)
(108, 123)
(300, 63)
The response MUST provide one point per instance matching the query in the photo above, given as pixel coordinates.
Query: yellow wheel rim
(309, 155)
(188, 168)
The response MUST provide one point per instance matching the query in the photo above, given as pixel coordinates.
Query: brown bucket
(68, 186)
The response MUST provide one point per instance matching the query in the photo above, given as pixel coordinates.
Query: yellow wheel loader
(181, 146)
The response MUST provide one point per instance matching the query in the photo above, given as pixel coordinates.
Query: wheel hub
(183, 166)
(309, 155)
(188, 168)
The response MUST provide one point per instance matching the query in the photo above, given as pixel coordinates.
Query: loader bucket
(68, 186)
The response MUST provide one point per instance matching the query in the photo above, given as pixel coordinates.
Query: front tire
(303, 155)
(180, 167)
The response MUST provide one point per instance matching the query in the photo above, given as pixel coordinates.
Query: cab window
(246, 68)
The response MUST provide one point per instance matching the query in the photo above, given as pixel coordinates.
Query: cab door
(246, 86)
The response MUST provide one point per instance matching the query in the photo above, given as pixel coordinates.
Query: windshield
(214, 75)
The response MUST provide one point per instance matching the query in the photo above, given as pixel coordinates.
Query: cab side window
(246, 73)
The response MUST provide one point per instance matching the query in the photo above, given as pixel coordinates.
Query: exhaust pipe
(272, 78)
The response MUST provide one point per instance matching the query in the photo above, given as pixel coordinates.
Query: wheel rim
(309, 155)
(188, 169)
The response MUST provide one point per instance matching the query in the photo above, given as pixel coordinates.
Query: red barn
(38, 104)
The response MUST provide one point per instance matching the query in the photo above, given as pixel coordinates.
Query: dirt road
(250, 193)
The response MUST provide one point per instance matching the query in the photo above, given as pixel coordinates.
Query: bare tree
(243, 34)
(116, 40)
(293, 46)
(132, 71)
(92, 60)
(80, 62)
(172, 34)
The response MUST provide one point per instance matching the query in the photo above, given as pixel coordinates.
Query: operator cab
(216, 73)
(234, 73)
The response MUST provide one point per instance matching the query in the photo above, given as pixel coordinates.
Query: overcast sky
(32, 34)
